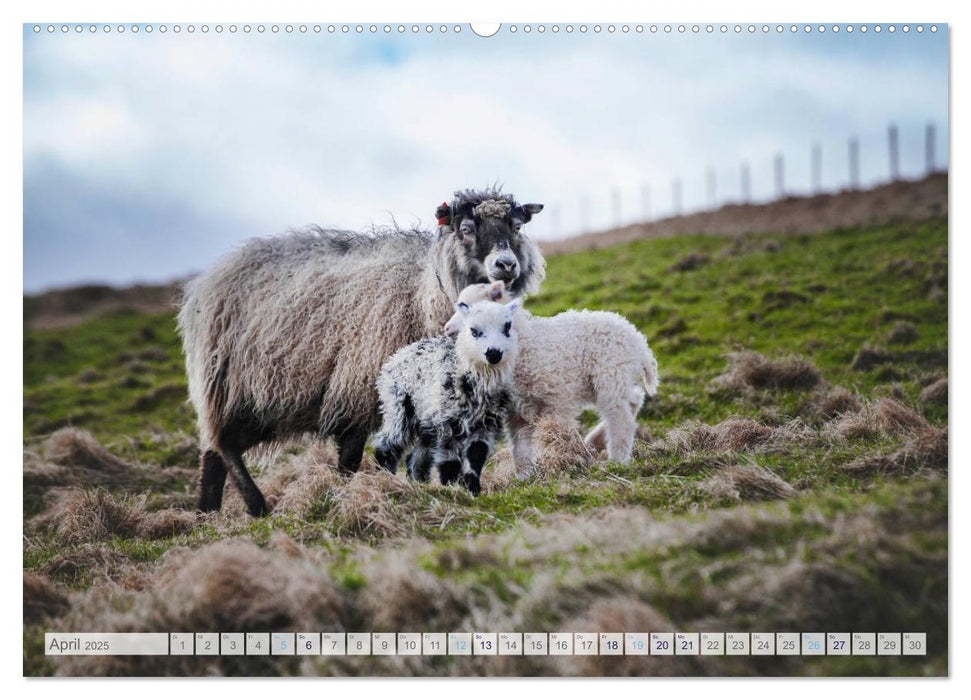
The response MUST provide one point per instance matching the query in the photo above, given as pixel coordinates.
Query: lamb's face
(474, 293)
(487, 337)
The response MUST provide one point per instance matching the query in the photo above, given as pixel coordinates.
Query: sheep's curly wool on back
(294, 328)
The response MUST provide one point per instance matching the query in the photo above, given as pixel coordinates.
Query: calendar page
(426, 348)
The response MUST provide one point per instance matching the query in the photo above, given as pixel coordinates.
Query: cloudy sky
(146, 156)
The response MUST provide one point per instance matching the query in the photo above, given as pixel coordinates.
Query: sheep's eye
(476, 333)
(506, 327)
(517, 228)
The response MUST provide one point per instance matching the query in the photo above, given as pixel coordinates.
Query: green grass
(822, 297)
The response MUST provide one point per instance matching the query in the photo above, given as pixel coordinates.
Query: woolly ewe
(287, 334)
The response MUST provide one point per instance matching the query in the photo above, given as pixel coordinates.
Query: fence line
(711, 187)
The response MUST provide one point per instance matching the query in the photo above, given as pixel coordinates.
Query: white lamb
(569, 362)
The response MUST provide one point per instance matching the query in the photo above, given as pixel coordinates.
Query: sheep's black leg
(448, 471)
(212, 481)
(477, 453)
(419, 464)
(255, 503)
(350, 449)
(387, 453)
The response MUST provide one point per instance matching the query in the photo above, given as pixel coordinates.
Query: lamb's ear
(496, 290)
(514, 306)
(453, 326)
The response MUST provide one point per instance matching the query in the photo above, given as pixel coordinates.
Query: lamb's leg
(350, 449)
(212, 480)
(419, 463)
(449, 463)
(521, 433)
(476, 455)
(255, 503)
(387, 451)
(621, 427)
(596, 439)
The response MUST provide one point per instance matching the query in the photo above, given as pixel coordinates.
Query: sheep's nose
(494, 355)
(505, 267)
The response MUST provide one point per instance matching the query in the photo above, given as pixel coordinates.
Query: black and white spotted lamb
(448, 399)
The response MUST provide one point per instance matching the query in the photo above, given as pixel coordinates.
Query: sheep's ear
(525, 212)
(444, 214)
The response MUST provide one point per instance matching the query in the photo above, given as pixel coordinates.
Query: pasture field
(791, 475)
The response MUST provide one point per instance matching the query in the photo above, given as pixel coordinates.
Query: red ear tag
(447, 219)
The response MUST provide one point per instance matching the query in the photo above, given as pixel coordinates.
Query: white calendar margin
(509, 11)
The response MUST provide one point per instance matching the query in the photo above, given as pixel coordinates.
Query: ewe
(287, 334)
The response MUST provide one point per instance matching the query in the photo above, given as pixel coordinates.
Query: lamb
(449, 398)
(572, 361)
(287, 334)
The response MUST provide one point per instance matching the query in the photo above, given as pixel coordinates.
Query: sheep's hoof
(258, 508)
(471, 482)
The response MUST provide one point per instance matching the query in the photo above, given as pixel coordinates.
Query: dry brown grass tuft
(308, 494)
(561, 447)
(557, 448)
(283, 543)
(885, 416)
(848, 426)
(893, 418)
(41, 473)
(925, 449)
(691, 436)
(86, 515)
(691, 261)
(402, 596)
(70, 447)
(740, 434)
(749, 483)
(868, 357)
(748, 371)
(835, 401)
(373, 503)
(935, 393)
(902, 333)
(234, 584)
(91, 560)
(42, 600)
(228, 585)
(734, 434)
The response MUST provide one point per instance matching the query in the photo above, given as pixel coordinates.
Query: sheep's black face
(493, 243)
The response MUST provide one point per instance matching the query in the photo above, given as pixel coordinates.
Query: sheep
(449, 397)
(287, 334)
(571, 361)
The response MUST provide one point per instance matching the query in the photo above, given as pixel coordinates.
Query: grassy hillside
(791, 475)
